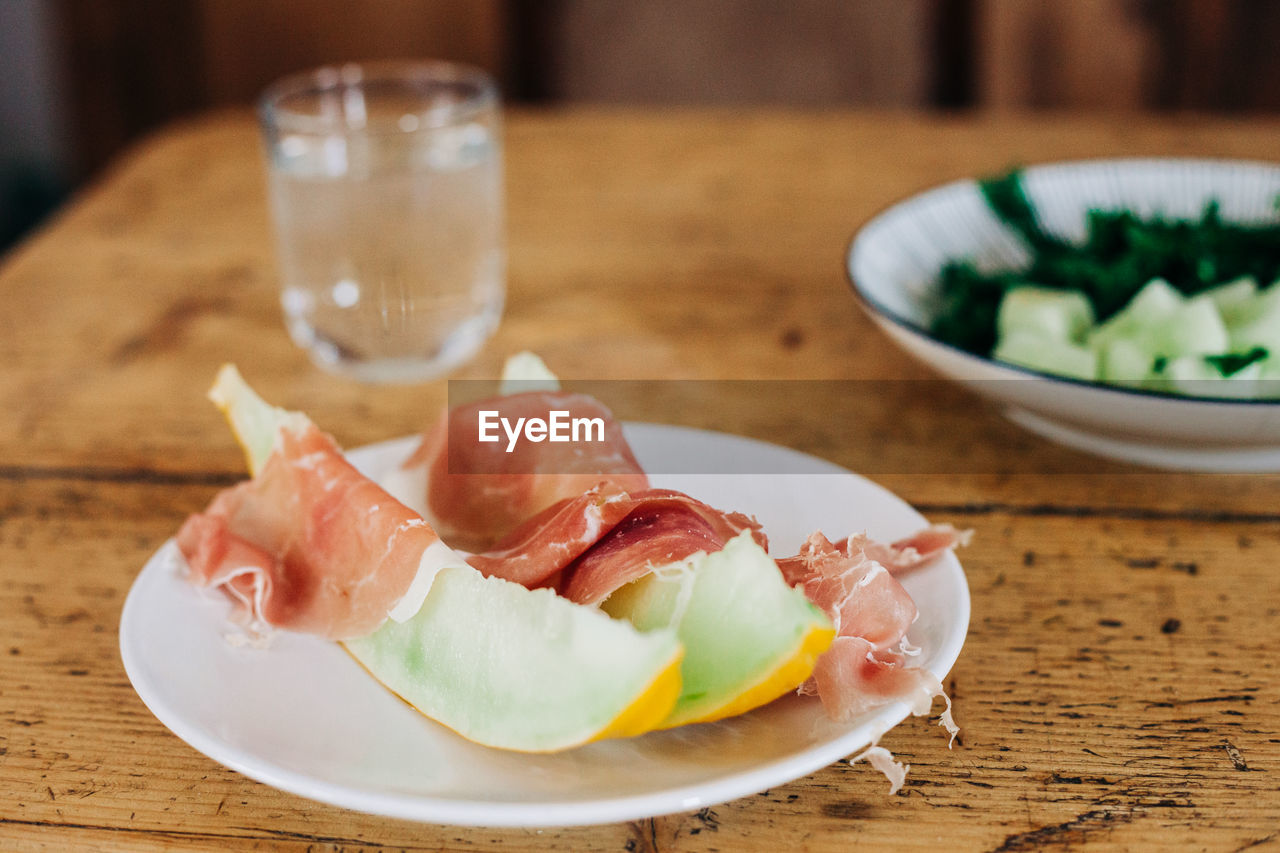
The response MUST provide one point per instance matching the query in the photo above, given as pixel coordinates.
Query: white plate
(304, 717)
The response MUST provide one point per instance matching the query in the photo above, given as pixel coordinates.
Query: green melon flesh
(1149, 306)
(1125, 361)
(1035, 351)
(1194, 328)
(515, 668)
(254, 421)
(1257, 322)
(736, 617)
(1060, 315)
(1233, 298)
(1194, 376)
(1158, 326)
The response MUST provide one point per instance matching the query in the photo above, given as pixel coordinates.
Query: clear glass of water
(386, 191)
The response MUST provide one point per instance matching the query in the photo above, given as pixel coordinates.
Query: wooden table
(1119, 683)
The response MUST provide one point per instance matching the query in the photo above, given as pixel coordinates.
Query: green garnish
(1008, 199)
(1232, 363)
(1120, 254)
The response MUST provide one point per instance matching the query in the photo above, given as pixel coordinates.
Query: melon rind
(748, 637)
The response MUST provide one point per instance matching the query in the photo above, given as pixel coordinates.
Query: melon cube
(1063, 315)
(1037, 352)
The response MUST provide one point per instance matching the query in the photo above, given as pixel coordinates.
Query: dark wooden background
(133, 65)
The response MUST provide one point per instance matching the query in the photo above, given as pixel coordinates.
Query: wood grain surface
(1119, 684)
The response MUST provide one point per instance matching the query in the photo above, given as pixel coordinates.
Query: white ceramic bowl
(895, 259)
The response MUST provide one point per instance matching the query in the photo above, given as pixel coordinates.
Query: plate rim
(551, 812)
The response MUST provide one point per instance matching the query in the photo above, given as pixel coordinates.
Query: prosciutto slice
(916, 550)
(591, 545)
(866, 667)
(309, 544)
(479, 492)
(857, 592)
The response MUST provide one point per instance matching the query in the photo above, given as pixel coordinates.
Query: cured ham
(588, 546)
(663, 527)
(917, 549)
(852, 677)
(535, 553)
(478, 492)
(310, 544)
(865, 667)
(860, 595)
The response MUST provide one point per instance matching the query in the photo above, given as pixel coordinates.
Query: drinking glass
(386, 193)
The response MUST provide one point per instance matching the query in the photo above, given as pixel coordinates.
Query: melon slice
(748, 637)
(523, 669)
(525, 371)
(500, 664)
(253, 421)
